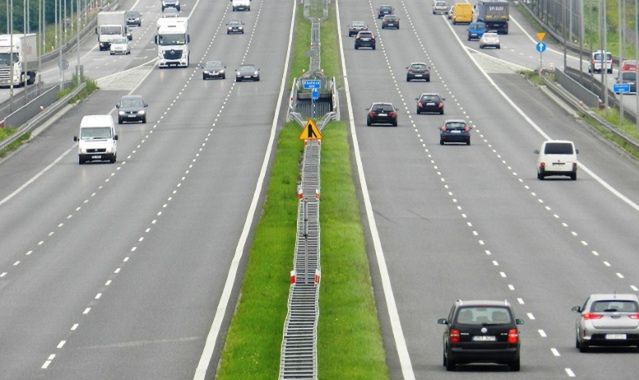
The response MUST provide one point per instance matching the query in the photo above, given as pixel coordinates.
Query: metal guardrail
(42, 116)
(298, 358)
(578, 105)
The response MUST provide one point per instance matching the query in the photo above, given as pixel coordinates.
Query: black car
(430, 102)
(365, 39)
(382, 113)
(455, 131)
(213, 69)
(133, 18)
(481, 332)
(235, 26)
(385, 10)
(131, 108)
(418, 70)
(390, 21)
(247, 72)
(355, 27)
(170, 4)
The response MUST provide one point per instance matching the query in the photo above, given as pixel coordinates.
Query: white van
(241, 5)
(599, 61)
(557, 157)
(98, 139)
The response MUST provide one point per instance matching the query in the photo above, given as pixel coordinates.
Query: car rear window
(430, 98)
(418, 66)
(629, 76)
(365, 34)
(598, 57)
(383, 108)
(455, 125)
(615, 305)
(558, 148)
(475, 315)
(390, 17)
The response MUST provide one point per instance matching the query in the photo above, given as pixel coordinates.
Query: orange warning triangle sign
(310, 131)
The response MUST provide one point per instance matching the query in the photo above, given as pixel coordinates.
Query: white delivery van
(241, 5)
(557, 157)
(98, 139)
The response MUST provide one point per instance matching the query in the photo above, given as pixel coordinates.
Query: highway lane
(140, 266)
(474, 221)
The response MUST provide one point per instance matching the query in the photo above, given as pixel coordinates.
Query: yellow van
(462, 13)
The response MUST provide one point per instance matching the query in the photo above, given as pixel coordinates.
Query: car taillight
(453, 336)
(542, 165)
(633, 316)
(392, 114)
(574, 166)
(466, 129)
(372, 114)
(420, 104)
(589, 316)
(513, 336)
(444, 128)
(440, 105)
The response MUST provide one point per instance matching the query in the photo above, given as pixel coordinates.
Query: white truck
(173, 40)
(19, 59)
(111, 25)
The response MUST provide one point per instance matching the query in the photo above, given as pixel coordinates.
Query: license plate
(616, 336)
(430, 104)
(383, 114)
(247, 76)
(131, 115)
(391, 24)
(455, 131)
(96, 157)
(418, 75)
(484, 338)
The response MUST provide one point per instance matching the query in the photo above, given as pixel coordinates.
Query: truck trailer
(111, 26)
(18, 59)
(495, 14)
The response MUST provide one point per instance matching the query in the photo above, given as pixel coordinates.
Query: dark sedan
(247, 72)
(356, 27)
(133, 18)
(428, 102)
(131, 108)
(385, 10)
(457, 131)
(418, 70)
(365, 38)
(213, 69)
(390, 21)
(382, 113)
(235, 26)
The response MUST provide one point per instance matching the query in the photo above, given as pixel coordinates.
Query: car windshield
(213, 65)
(475, 315)
(132, 103)
(172, 39)
(93, 133)
(430, 98)
(599, 57)
(624, 306)
(385, 8)
(490, 35)
(455, 125)
(418, 66)
(558, 148)
(110, 30)
(247, 68)
(7, 58)
(120, 41)
(383, 108)
(133, 14)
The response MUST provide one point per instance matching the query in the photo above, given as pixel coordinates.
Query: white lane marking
(531, 316)
(634, 288)
(61, 344)
(520, 300)
(211, 339)
(569, 372)
(393, 313)
(74, 327)
(542, 333)
(555, 352)
(47, 363)
(537, 128)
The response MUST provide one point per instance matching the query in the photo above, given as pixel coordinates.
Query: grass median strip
(349, 344)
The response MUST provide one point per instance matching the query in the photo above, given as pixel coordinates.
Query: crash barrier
(35, 115)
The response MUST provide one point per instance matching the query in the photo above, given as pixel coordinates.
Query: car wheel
(81, 160)
(468, 142)
(498, 46)
(481, 46)
(609, 71)
(203, 77)
(144, 120)
(373, 47)
(356, 47)
(394, 123)
(577, 345)
(227, 32)
(257, 79)
(369, 122)
(223, 76)
(514, 366)
(427, 79)
(113, 159)
(583, 347)
(469, 37)
(441, 112)
(119, 121)
(540, 176)
(573, 176)
(441, 142)
(407, 78)
(450, 364)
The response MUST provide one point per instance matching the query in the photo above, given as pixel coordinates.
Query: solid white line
(537, 128)
(211, 339)
(396, 326)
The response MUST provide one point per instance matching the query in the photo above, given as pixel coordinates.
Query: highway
(116, 271)
(473, 222)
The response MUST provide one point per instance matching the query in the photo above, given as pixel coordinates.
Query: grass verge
(350, 343)
(5, 133)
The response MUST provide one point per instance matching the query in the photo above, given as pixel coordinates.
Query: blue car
(476, 30)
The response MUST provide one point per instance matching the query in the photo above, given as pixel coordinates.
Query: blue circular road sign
(540, 47)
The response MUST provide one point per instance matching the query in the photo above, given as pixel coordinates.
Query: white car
(241, 5)
(120, 46)
(599, 61)
(557, 157)
(489, 39)
(608, 320)
(440, 7)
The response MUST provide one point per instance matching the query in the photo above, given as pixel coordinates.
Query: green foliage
(5, 133)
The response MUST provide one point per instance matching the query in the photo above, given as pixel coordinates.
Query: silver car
(489, 39)
(608, 320)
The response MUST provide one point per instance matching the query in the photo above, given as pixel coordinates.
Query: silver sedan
(608, 320)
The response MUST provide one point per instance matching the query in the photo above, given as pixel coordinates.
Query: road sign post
(620, 89)
(540, 47)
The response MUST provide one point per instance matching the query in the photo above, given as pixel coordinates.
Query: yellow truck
(462, 13)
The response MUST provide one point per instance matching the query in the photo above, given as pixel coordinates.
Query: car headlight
(141, 112)
(221, 71)
(237, 73)
(256, 73)
(121, 113)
